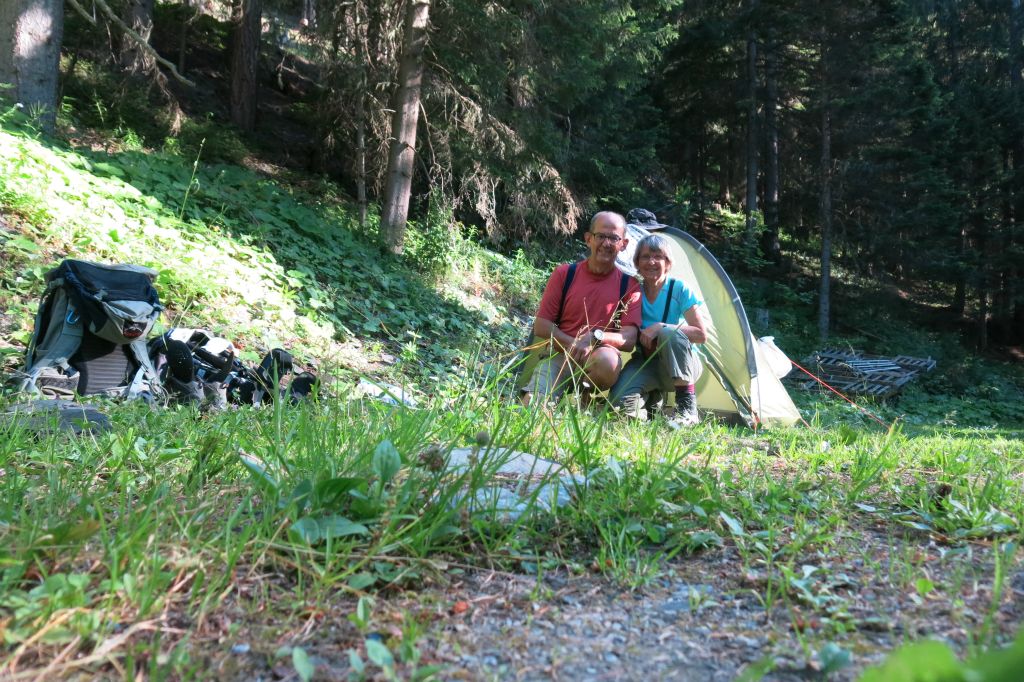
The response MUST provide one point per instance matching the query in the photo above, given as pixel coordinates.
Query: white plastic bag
(777, 360)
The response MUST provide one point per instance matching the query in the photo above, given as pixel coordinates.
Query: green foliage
(931, 661)
(226, 240)
(433, 245)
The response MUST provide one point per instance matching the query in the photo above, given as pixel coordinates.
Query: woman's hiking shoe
(686, 412)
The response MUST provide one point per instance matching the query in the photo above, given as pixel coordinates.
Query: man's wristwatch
(596, 338)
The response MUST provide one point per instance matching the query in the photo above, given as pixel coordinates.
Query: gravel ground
(704, 621)
(703, 618)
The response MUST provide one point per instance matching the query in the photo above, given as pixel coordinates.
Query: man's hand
(580, 348)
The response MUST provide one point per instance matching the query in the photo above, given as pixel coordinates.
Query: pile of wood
(854, 372)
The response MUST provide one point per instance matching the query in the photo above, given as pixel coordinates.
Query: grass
(282, 510)
(142, 550)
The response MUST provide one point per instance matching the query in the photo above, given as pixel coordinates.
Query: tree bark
(245, 50)
(1016, 289)
(361, 96)
(750, 205)
(308, 20)
(139, 16)
(770, 246)
(183, 35)
(960, 290)
(981, 248)
(31, 32)
(405, 105)
(825, 178)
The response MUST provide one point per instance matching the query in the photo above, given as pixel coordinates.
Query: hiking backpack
(90, 332)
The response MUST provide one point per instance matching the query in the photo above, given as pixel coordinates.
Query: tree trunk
(960, 292)
(825, 177)
(245, 51)
(308, 20)
(962, 268)
(750, 205)
(981, 248)
(30, 38)
(360, 160)
(406, 106)
(186, 21)
(139, 16)
(770, 237)
(982, 322)
(725, 172)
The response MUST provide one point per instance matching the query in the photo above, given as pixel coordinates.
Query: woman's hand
(649, 336)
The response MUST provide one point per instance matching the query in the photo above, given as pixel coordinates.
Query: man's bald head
(609, 218)
(606, 239)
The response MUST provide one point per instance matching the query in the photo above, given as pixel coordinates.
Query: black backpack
(197, 366)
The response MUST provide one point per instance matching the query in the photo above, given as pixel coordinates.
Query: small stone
(611, 658)
(748, 642)
(240, 649)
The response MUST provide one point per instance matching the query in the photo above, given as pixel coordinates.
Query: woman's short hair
(655, 243)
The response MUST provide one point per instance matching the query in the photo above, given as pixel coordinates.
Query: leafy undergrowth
(255, 261)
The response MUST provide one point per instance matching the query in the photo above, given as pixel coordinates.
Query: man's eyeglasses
(610, 238)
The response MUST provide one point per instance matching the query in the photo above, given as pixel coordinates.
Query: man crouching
(590, 312)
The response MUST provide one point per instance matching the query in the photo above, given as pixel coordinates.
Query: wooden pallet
(855, 372)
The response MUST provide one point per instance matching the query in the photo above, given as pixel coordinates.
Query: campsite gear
(644, 218)
(777, 360)
(739, 382)
(194, 364)
(256, 386)
(197, 366)
(46, 417)
(90, 332)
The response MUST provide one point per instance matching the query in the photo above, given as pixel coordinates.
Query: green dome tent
(738, 380)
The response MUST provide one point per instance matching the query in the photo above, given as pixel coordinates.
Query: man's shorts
(553, 374)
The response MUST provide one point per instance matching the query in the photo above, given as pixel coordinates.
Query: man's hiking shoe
(632, 407)
(686, 412)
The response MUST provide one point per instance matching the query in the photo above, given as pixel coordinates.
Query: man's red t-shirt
(592, 300)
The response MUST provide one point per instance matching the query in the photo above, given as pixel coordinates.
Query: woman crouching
(665, 359)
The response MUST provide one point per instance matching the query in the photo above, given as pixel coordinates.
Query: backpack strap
(668, 300)
(569, 276)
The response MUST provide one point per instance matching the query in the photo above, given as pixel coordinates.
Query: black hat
(643, 218)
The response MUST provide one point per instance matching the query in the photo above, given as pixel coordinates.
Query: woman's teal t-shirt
(683, 299)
